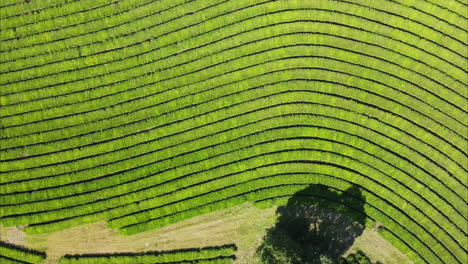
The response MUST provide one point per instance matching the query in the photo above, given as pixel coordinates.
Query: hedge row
(352, 9)
(146, 113)
(176, 118)
(209, 255)
(318, 144)
(74, 189)
(15, 254)
(174, 210)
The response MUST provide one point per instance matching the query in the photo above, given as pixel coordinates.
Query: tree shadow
(317, 225)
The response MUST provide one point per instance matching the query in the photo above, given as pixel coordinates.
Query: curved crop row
(277, 97)
(146, 113)
(209, 255)
(290, 46)
(62, 202)
(354, 95)
(50, 17)
(53, 81)
(13, 254)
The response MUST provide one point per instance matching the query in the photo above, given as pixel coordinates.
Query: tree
(308, 231)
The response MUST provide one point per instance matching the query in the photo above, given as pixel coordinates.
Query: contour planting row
(275, 31)
(448, 9)
(10, 253)
(52, 79)
(210, 207)
(299, 142)
(354, 93)
(276, 98)
(139, 163)
(299, 62)
(225, 182)
(164, 167)
(76, 52)
(192, 146)
(452, 6)
(46, 14)
(313, 155)
(9, 2)
(178, 217)
(409, 82)
(335, 3)
(58, 16)
(230, 131)
(259, 194)
(29, 105)
(117, 28)
(437, 11)
(208, 255)
(72, 211)
(12, 9)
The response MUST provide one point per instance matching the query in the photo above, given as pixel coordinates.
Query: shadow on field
(314, 227)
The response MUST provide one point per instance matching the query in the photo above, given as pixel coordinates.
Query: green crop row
(111, 30)
(408, 87)
(266, 159)
(326, 87)
(161, 211)
(441, 10)
(146, 113)
(15, 254)
(10, 9)
(406, 234)
(52, 79)
(210, 255)
(276, 31)
(192, 150)
(455, 7)
(73, 211)
(153, 112)
(78, 188)
(113, 156)
(221, 151)
(70, 14)
(344, 4)
(29, 74)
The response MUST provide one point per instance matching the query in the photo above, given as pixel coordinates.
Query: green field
(143, 114)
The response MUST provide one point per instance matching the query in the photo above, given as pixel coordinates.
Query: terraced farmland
(143, 113)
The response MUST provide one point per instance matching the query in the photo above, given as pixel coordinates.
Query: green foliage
(144, 113)
(357, 258)
(211, 255)
(307, 233)
(14, 254)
